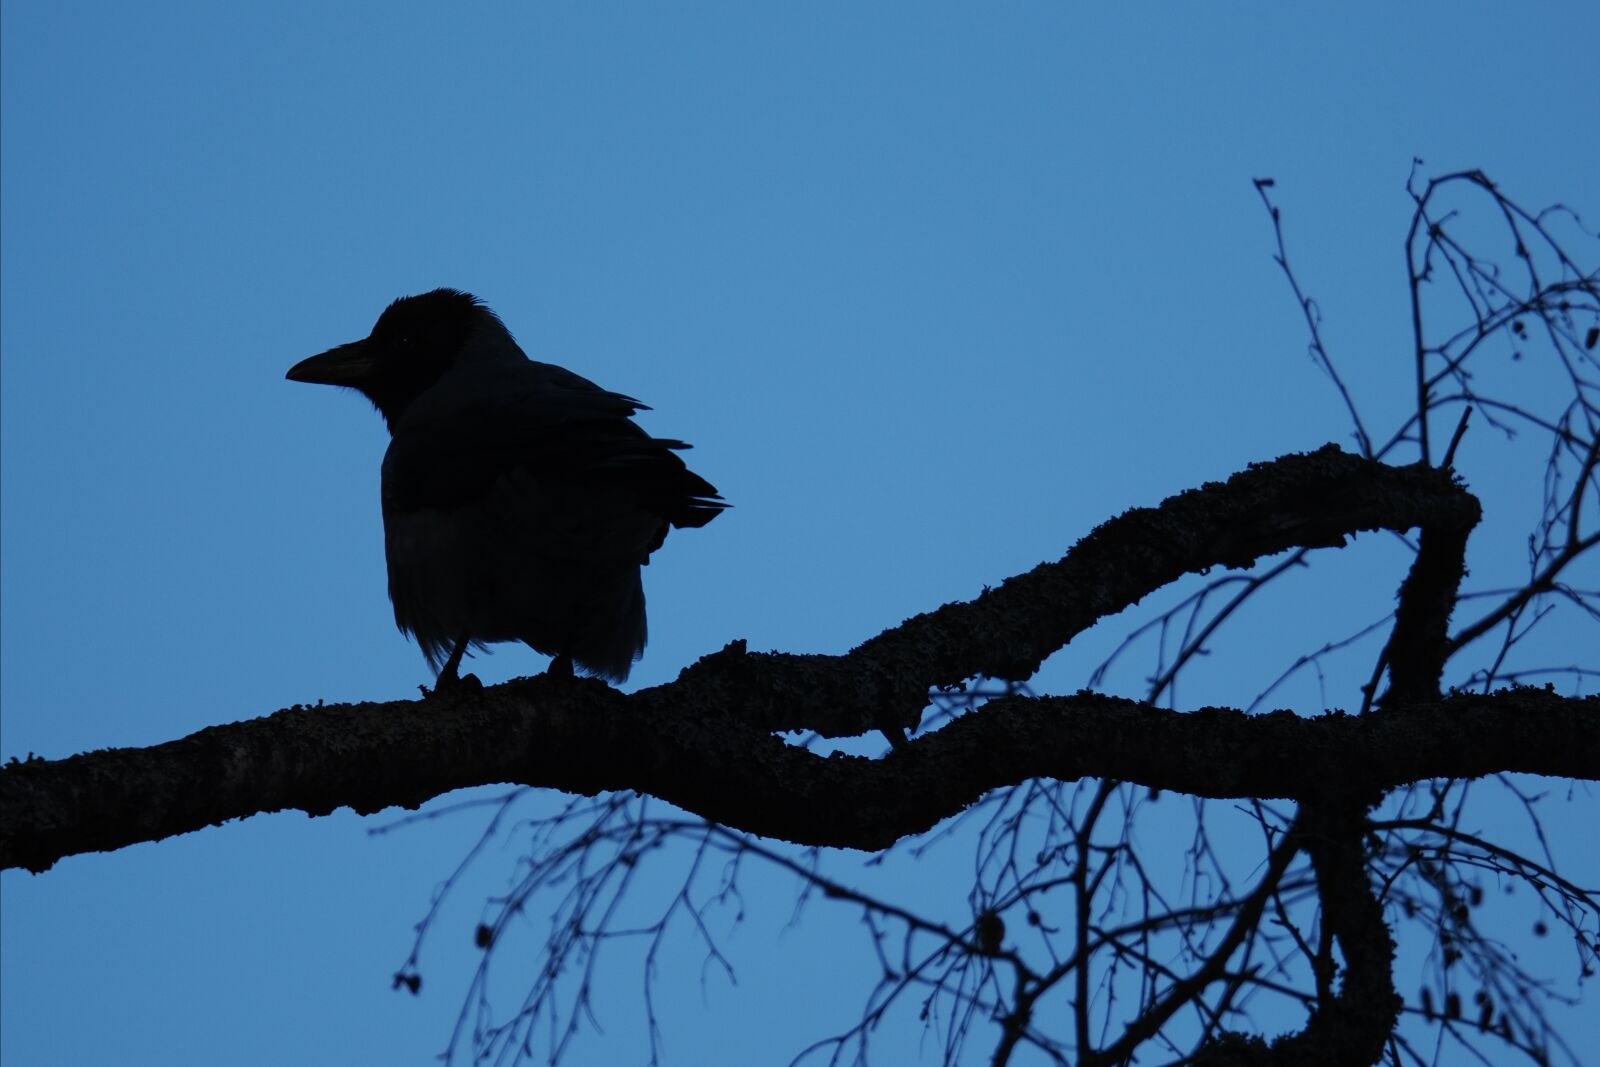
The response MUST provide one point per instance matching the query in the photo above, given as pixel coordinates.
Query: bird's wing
(541, 421)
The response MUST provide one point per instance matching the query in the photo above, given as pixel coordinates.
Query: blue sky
(933, 289)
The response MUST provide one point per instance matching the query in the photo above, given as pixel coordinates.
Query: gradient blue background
(933, 288)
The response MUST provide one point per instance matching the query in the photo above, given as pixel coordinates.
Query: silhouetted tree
(1081, 943)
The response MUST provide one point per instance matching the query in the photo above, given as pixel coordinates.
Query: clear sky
(933, 289)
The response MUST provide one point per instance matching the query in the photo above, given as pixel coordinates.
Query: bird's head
(415, 342)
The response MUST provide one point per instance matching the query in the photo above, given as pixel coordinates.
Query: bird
(519, 499)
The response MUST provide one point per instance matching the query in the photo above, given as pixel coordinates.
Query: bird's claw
(453, 683)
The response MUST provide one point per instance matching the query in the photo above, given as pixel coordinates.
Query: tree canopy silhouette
(1081, 945)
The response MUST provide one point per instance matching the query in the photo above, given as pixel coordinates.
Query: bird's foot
(452, 683)
(560, 667)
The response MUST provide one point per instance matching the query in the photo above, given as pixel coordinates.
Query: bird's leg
(448, 678)
(561, 666)
(448, 675)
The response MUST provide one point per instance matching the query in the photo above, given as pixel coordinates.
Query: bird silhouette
(519, 499)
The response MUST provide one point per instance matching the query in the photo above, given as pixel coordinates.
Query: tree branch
(1352, 1026)
(705, 741)
(1314, 500)
(584, 737)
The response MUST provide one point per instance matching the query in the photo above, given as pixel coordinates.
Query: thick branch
(1351, 1027)
(584, 737)
(705, 741)
(1315, 500)
(1419, 644)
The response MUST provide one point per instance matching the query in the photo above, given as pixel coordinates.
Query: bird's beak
(349, 364)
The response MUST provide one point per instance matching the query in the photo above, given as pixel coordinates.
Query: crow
(519, 499)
